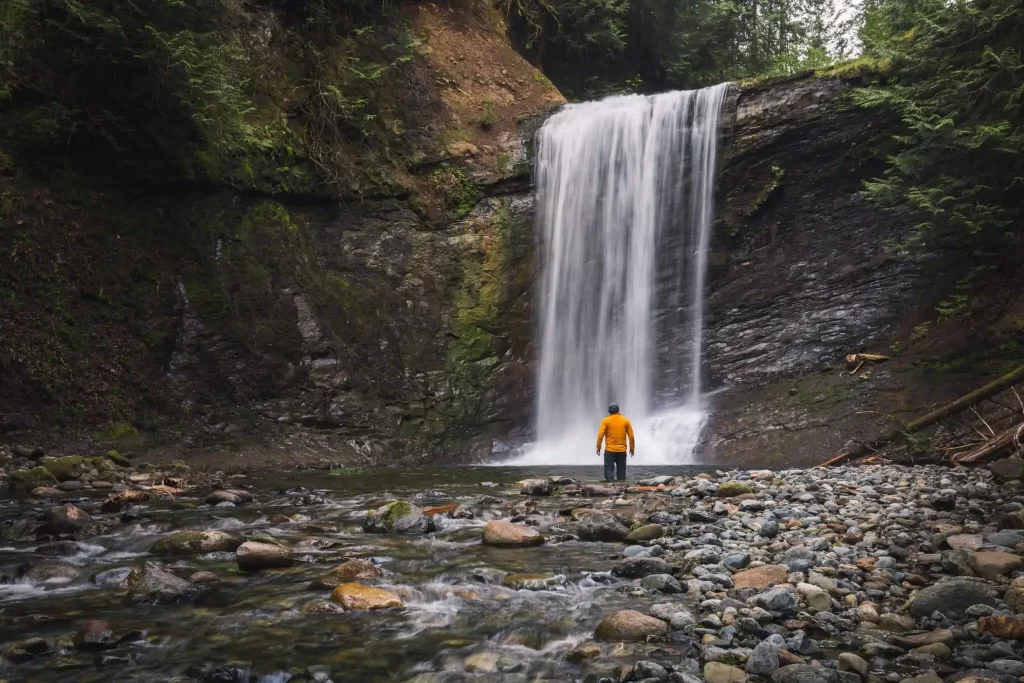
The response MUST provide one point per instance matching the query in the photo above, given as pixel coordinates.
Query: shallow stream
(254, 624)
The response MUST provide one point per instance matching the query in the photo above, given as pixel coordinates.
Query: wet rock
(583, 652)
(67, 519)
(951, 598)
(204, 577)
(817, 599)
(533, 582)
(357, 597)
(347, 572)
(113, 578)
(46, 492)
(195, 542)
(52, 572)
(662, 583)
(508, 535)
(717, 672)
(629, 626)
(32, 647)
(153, 582)
(647, 532)
(399, 517)
(95, 635)
(481, 662)
(803, 673)
(23, 482)
(639, 567)
(602, 527)
(222, 496)
(534, 487)
(851, 662)
(896, 622)
(1007, 667)
(254, 555)
(761, 577)
(62, 548)
(322, 607)
(992, 564)
(644, 670)
(1002, 627)
(927, 677)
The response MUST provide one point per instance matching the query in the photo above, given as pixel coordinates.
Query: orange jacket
(614, 430)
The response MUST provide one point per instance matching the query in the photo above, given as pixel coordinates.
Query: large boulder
(730, 489)
(534, 487)
(23, 482)
(629, 626)
(347, 572)
(993, 564)
(400, 517)
(639, 567)
(153, 582)
(356, 596)
(49, 572)
(66, 468)
(67, 519)
(254, 555)
(509, 535)
(648, 532)
(951, 598)
(193, 542)
(602, 527)
(1007, 469)
(761, 577)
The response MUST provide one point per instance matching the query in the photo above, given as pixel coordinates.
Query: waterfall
(625, 206)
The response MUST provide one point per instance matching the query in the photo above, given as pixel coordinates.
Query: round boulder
(253, 556)
(400, 517)
(347, 572)
(356, 596)
(629, 626)
(66, 519)
(509, 535)
(602, 527)
(193, 542)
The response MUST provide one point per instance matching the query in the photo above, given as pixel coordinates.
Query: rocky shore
(845, 575)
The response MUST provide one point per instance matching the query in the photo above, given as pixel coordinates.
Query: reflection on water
(458, 618)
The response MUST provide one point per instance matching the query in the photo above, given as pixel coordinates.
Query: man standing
(614, 432)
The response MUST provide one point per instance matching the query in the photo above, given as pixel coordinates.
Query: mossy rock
(118, 459)
(24, 481)
(193, 542)
(731, 489)
(400, 517)
(102, 465)
(66, 468)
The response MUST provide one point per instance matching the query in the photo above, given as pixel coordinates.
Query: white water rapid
(625, 206)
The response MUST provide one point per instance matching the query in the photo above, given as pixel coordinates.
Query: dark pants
(614, 463)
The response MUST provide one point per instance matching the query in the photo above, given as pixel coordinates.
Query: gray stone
(1007, 469)
(649, 670)
(639, 567)
(736, 560)
(803, 673)
(663, 583)
(851, 662)
(602, 527)
(764, 658)
(951, 598)
(776, 600)
(399, 517)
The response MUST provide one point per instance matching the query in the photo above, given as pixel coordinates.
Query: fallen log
(1010, 438)
(961, 404)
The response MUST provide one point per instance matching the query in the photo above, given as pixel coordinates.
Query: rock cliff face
(381, 328)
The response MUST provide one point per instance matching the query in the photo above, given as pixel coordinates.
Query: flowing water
(456, 605)
(625, 207)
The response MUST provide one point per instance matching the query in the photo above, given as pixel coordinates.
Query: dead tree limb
(957, 406)
(1008, 439)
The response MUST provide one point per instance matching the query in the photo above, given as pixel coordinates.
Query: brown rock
(937, 650)
(347, 572)
(253, 555)
(944, 636)
(95, 635)
(204, 577)
(66, 519)
(965, 541)
(717, 672)
(1002, 627)
(761, 577)
(927, 677)
(509, 535)
(356, 596)
(629, 626)
(1015, 595)
(993, 564)
(786, 658)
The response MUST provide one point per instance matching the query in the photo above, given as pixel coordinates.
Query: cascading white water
(625, 199)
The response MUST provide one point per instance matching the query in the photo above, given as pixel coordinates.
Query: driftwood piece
(1008, 439)
(957, 406)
